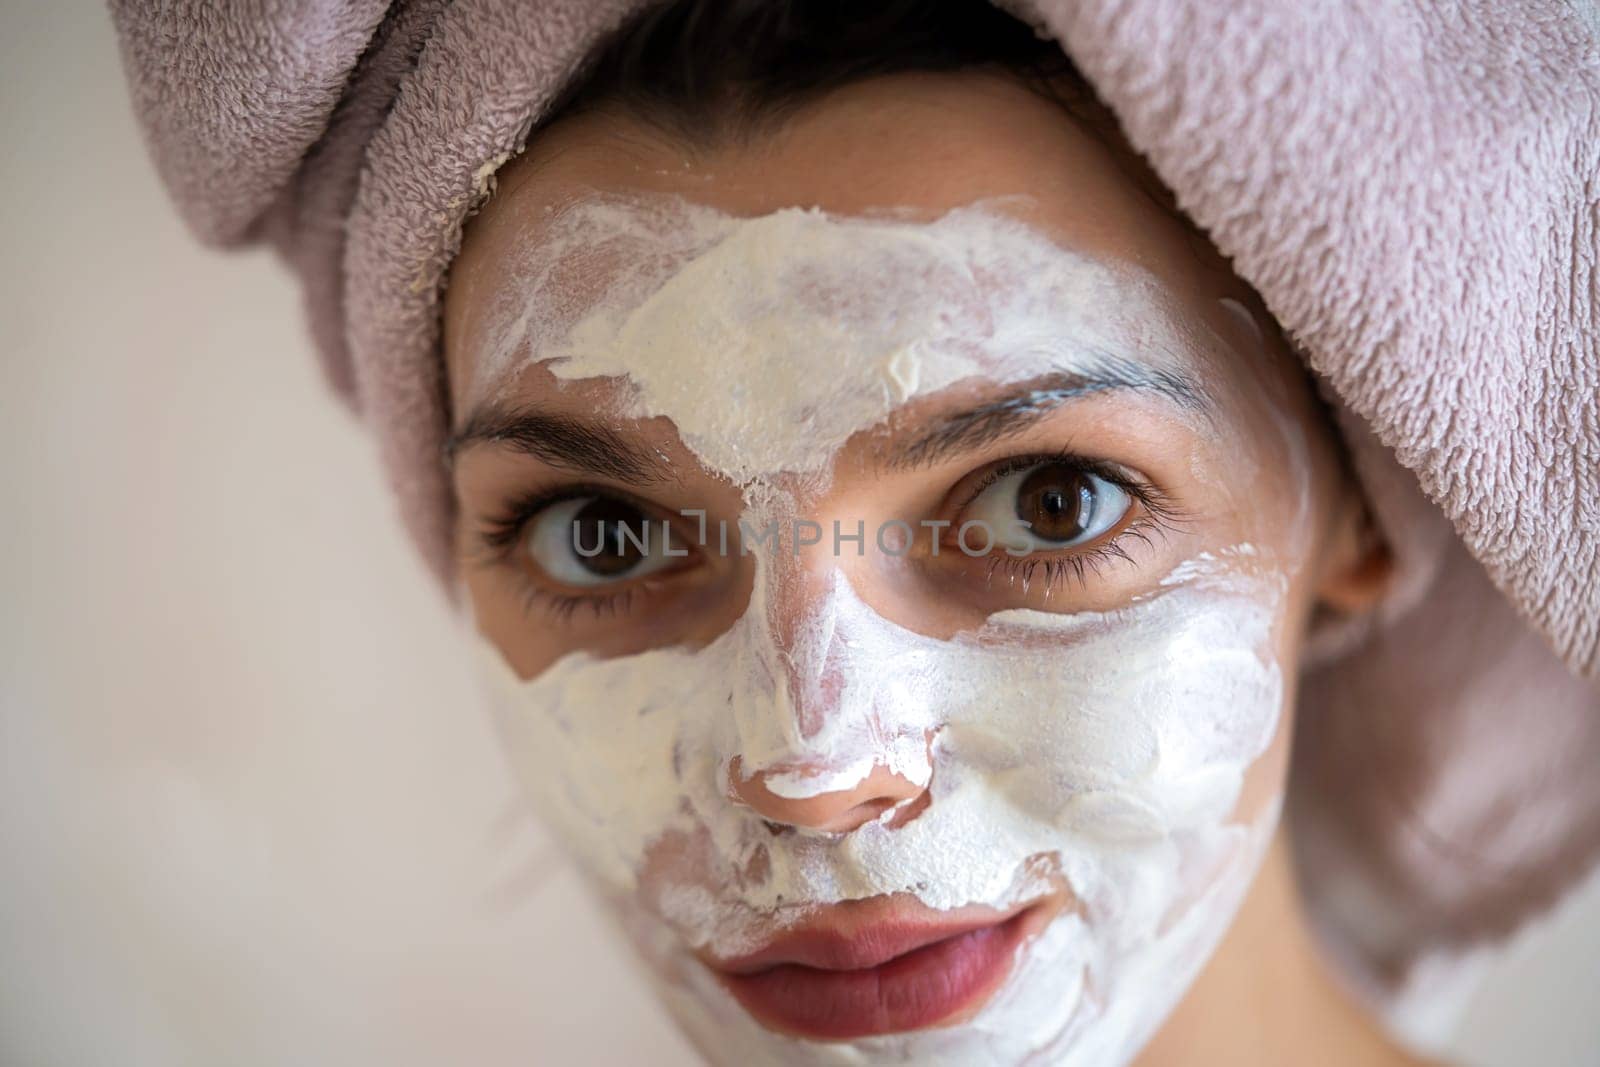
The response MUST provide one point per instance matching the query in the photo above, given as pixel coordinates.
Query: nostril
(868, 810)
(878, 793)
(871, 811)
(910, 810)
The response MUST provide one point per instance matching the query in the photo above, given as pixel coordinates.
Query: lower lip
(933, 984)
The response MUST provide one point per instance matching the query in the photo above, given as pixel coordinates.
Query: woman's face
(891, 537)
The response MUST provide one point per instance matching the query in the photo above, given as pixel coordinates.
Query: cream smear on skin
(1103, 752)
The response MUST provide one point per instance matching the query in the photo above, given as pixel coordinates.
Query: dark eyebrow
(1014, 411)
(570, 441)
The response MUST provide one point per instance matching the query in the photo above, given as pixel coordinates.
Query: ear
(1358, 567)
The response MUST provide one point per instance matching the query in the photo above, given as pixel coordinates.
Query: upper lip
(862, 934)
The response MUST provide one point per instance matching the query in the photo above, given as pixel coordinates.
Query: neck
(1266, 998)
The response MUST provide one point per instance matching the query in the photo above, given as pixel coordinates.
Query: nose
(773, 795)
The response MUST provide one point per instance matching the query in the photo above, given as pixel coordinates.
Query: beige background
(250, 812)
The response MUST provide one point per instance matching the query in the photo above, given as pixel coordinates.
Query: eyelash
(1161, 516)
(562, 606)
(500, 535)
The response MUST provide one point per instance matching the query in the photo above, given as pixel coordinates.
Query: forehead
(915, 146)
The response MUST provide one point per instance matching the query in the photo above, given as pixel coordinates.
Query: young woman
(857, 780)
(894, 532)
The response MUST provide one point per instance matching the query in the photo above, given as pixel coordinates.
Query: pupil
(1057, 501)
(602, 522)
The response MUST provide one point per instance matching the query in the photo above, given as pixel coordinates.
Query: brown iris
(1057, 501)
(600, 524)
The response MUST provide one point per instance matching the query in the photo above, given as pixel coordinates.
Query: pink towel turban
(1414, 188)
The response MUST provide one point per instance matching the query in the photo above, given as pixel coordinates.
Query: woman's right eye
(591, 541)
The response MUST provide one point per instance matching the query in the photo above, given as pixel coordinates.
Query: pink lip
(879, 967)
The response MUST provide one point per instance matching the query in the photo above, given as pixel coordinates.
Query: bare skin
(930, 143)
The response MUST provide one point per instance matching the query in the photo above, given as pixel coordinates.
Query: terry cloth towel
(1412, 185)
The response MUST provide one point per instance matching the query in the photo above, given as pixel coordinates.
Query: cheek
(1140, 727)
(531, 637)
(502, 621)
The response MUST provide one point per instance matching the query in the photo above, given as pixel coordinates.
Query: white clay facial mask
(1073, 778)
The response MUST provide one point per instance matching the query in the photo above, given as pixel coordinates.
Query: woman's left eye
(1049, 505)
